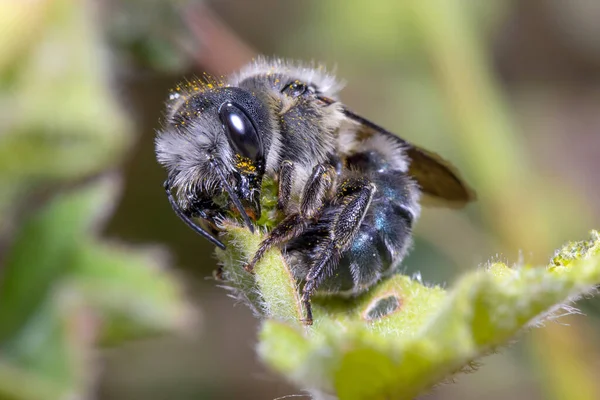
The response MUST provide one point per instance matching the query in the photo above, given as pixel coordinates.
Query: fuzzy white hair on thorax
(347, 133)
(309, 73)
(390, 150)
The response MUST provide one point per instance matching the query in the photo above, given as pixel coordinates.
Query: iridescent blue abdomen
(384, 236)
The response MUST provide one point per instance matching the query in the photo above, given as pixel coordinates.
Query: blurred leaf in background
(62, 290)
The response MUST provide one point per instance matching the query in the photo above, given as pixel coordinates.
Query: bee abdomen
(382, 240)
(377, 250)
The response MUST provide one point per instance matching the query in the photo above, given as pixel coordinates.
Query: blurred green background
(509, 91)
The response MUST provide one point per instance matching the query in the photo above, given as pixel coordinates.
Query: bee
(349, 191)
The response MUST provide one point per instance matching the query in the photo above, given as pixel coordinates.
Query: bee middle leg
(354, 197)
(316, 191)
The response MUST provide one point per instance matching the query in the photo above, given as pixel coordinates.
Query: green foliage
(62, 290)
(402, 337)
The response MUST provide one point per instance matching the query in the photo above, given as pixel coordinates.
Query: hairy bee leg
(313, 197)
(317, 189)
(286, 177)
(344, 228)
(314, 278)
(287, 229)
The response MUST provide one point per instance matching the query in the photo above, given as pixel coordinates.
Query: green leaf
(136, 295)
(42, 250)
(59, 120)
(62, 292)
(272, 291)
(402, 337)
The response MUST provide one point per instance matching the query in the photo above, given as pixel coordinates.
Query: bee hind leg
(314, 278)
(316, 191)
(355, 198)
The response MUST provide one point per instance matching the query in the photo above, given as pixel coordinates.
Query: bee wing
(438, 179)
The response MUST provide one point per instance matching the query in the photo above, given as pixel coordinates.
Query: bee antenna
(184, 217)
(236, 200)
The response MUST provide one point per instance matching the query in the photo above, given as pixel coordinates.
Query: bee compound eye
(241, 131)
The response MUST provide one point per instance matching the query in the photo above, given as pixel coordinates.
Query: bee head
(214, 146)
(221, 138)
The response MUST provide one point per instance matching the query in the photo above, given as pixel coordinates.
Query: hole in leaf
(381, 307)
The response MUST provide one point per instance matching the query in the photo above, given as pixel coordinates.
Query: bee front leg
(315, 192)
(286, 179)
(354, 200)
